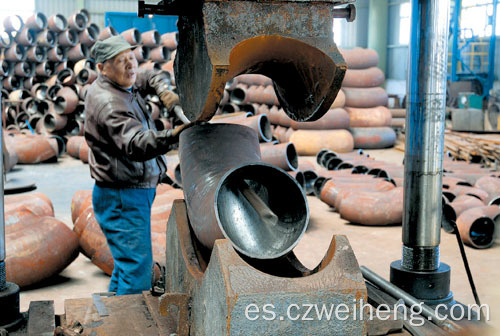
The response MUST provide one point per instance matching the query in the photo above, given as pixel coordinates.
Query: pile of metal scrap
(469, 147)
(38, 245)
(484, 148)
(93, 242)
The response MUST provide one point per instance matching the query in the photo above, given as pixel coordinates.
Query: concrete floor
(374, 247)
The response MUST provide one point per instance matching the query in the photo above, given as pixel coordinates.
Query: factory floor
(374, 247)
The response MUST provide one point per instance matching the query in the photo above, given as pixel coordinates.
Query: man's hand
(169, 99)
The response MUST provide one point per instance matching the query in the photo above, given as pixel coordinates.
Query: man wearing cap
(126, 158)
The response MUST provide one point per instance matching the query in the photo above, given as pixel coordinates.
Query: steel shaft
(425, 122)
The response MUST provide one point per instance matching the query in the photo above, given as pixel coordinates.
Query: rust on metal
(230, 38)
(283, 156)
(36, 252)
(233, 177)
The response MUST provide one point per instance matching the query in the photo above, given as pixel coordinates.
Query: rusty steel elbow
(230, 193)
(289, 41)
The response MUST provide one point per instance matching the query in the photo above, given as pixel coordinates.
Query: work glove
(169, 99)
(160, 83)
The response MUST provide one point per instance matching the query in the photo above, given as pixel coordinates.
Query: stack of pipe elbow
(38, 245)
(48, 59)
(366, 102)
(365, 176)
(472, 201)
(255, 94)
(92, 241)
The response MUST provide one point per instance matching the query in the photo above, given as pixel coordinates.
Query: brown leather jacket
(125, 147)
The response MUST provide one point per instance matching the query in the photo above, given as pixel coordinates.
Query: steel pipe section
(425, 122)
(283, 155)
(232, 194)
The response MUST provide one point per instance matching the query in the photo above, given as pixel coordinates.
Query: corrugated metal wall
(97, 8)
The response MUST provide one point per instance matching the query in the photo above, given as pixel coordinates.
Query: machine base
(10, 317)
(230, 295)
(432, 287)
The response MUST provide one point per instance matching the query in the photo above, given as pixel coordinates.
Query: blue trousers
(124, 216)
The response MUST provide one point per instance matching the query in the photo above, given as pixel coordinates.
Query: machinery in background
(471, 65)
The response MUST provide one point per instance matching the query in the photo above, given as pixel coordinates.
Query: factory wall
(353, 34)
(96, 8)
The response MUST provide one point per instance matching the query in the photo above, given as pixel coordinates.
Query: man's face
(122, 69)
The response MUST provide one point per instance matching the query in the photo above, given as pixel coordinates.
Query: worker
(125, 158)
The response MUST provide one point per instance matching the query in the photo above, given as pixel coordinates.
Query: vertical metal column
(491, 51)
(456, 33)
(10, 316)
(425, 134)
(2, 219)
(420, 272)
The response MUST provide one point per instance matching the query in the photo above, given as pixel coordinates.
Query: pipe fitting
(37, 54)
(57, 23)
(77, 21)
(24, 69)
(373, 137)
(379, 116)
(56, 54)
(142, 54)
(26, 37)
(86, 76)
(132, 36)
(233, 178)
(476, 228)
(13, 23)
(283, 155)
(106, 33)
(365, 97)
(44, 69)
(5, 40)
(78, 52)
(160, 54)
(14, 53)
(170, 40)
(36, 22)
(151, 38)
(67, 38)
(54, 122)
(310, 142)
(65, 101)
(88, 37)
(66, 77)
